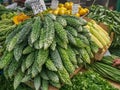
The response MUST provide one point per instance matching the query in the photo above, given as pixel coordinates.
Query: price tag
(54, 4)
(75, 8)
(38, 6)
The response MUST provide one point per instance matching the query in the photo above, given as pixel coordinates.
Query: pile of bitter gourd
(47, 50)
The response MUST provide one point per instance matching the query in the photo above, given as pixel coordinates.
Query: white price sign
(38, 6)
(75, 8)
(54, 4)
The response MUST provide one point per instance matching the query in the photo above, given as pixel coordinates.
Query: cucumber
(71, 30)
(44, 75)
(62, 21)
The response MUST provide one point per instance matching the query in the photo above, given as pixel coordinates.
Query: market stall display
(49, 48)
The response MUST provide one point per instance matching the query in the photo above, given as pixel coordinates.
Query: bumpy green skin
(29, 60)
(72, 55)
(72, 22)
(42, 38)
(52, 16)
(85, 55)
(18, 51)
(88, 49)
(36, 44)
(44, 75)
(36, 26)
(55, 57)
(52, 76)
(50, 32)
(53, 45)
(50, 65)
(18, 79)
(64, 76)
(94, 47)
(57, 85)
(24, 32)
(34, 70)
(62, 21)
(23, 65)
(79, 43)
(27, 50)
(42, 57)
(61, 43)
(26, 78)
(19, 37)
(6, 59)
(60, 31)
(71, 30)
(37, 82)
(67, 63)
(84, 39)
(12, 68)
(44, 84)
(71, 38)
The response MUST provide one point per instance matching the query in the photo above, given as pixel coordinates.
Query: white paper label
(75, 8)
(38, 6)
(54, 4)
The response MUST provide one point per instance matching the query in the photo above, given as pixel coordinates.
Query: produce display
(47, 53)
(46, 49)
(108, 17)
(6, 26)
(66, 9)
(88, 80)
(105, 68)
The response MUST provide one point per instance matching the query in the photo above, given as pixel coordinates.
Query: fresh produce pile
(6, 26)
(88, 80)
(47, 50)
(108, 17)
(105, 68)
(5, 11)
(66, 9)
(99, 35)
(7, 85)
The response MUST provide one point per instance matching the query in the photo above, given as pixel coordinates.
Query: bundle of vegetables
(3, 10)
(99, 35)
(7, 85)
(47, 50)
(108, 17)
(105, 68)
(88, 80)
(6, 26)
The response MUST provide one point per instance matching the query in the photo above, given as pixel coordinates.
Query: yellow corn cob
(96, 41)
(101, 32)
(99, 27)
(97, 35)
